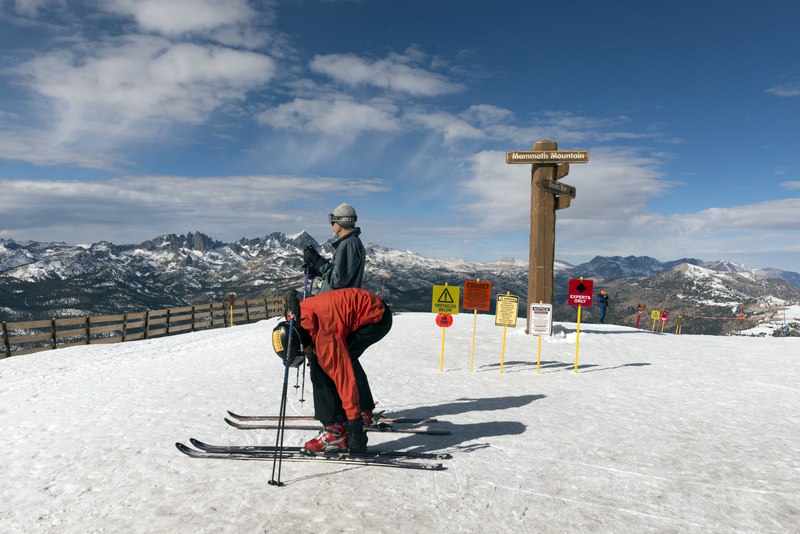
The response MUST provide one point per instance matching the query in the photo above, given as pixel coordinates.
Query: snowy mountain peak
(725, 266)
(55, 280)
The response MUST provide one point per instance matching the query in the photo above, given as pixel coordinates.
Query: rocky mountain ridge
(42, 280)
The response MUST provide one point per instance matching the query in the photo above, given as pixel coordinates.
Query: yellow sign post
(477, 296)
(506, 313)
(445, 300)
(580, 295)
(541, 321)
(231, 303)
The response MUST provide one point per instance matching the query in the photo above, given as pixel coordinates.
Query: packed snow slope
(654, 433)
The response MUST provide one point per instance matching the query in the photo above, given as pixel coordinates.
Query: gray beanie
(345, 215)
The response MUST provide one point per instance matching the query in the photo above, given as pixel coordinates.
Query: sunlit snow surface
(655, 433)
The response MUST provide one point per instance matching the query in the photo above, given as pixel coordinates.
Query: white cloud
(334, 115)
(450, 126)
(31, 8)
(130, 209)
(116, 89)
(39, 148)
(769, 215)
(391, 74)
(789, 89)
(619, 178)
(791, 185)
(486, 115)
(611, 216)
(176, 17)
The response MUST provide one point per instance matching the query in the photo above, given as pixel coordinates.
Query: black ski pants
(327, 403)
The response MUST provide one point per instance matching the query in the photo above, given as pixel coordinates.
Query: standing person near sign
(602, 303)
(346, 269)
(332, 330)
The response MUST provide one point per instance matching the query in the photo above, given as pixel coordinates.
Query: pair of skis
(294, 454)
(396, 459)
(269, 422)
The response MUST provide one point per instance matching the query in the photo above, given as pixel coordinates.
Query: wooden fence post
(247, 311)
(88, 329)
(146, 323)
(124, 326)
(193, 320)
(168, 316)
(54, 332)
(5, 341)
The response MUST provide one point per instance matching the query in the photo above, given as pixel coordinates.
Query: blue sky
(121, 120)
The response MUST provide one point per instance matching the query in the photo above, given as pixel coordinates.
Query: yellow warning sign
(445, 299)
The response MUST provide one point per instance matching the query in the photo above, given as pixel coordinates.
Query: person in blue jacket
(602, 303)
(346, 268)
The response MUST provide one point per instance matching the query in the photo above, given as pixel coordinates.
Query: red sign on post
(477, 295)
(445, 320)
(580, 292)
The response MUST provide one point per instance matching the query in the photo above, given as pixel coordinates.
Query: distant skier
(332, 330)
(602, 303)
(346, 269)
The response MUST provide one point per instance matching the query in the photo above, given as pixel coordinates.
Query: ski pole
(306, 294)
(306, 287)
(303, 389)
(297, 375)
(277, 460)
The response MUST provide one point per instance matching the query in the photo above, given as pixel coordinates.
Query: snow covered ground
(655, 433)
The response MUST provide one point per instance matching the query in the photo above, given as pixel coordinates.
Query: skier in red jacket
(332, 330)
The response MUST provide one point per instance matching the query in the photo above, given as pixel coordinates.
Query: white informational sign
(541, 319)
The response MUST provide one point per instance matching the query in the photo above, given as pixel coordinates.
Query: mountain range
(44, 280)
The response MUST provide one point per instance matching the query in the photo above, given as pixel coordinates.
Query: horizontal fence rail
(26, 337)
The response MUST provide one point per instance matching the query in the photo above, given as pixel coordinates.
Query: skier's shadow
(461, 435)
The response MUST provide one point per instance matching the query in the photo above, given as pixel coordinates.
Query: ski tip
(197, 443)
(234, 415)
(183, 448)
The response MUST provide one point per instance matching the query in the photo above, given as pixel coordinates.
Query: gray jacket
(346, 269)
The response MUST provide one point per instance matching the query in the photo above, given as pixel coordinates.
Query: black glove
(356, 437)
(292, 305)
(310, 255)
(312, 271)
(313, 261)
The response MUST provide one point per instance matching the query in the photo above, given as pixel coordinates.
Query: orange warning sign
(477, 295)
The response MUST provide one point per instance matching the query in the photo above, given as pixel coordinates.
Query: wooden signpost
(547, 195)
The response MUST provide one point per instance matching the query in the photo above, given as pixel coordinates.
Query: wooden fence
(26, 337)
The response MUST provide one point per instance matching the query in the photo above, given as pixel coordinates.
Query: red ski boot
(331, 439)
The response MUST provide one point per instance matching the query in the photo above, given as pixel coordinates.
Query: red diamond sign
(580, 292)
